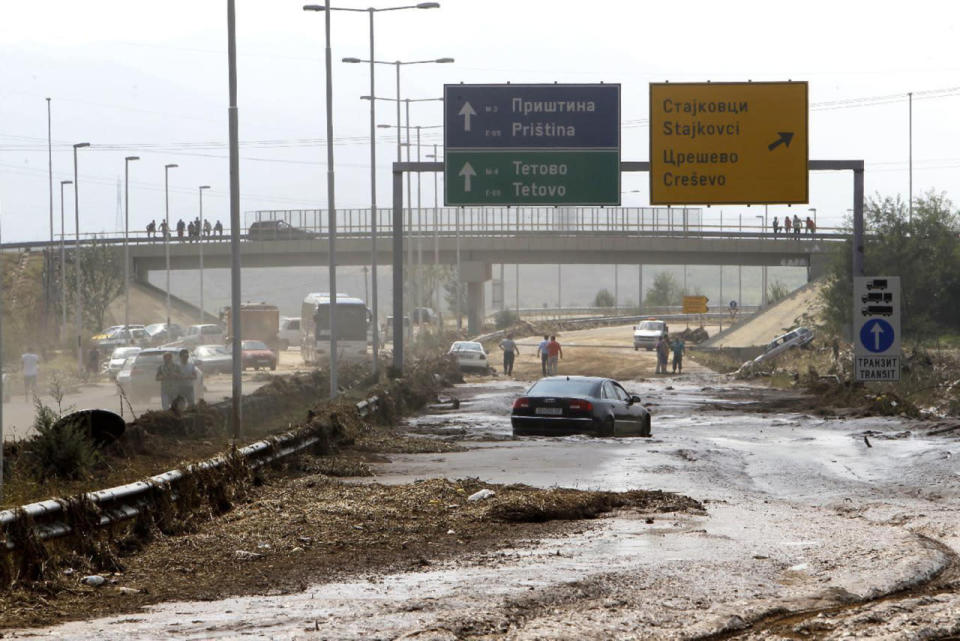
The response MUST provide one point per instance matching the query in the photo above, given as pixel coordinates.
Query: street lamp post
(63, 267)
(126, 236)
(166, 234)
(436, 238)
(76, 261)
(200, 246)
(373, 161)
(397, 64)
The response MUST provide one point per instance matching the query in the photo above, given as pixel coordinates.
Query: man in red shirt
(554, 353)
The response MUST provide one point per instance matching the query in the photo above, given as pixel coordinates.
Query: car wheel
(608, 427)
(645, 426)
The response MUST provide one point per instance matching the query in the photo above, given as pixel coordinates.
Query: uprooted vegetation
(929, 384)
(280, 537)
(138, 449)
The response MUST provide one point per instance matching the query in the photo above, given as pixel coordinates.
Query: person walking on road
(29, 363)
(663, 349)
(169, 376)
(678, 348)
(554, 354)
(510, 351)
(542, 352)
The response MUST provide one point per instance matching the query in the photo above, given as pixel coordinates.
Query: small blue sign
(568, 116)
(877, 335)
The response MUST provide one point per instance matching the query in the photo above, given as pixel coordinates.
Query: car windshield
(563, 387)
(253, 345)
(467, 347)
(212, 350)
(653, 326)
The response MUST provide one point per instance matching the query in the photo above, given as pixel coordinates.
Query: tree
(924, 253)
(450, 293)
(604, 299)
(665, 291)
(101, 279)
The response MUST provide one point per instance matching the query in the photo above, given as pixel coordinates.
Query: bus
(354, 325)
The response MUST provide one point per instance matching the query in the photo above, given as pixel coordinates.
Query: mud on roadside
(304, 528)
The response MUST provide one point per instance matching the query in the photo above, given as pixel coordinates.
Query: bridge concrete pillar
(475, 274)
(819, 264)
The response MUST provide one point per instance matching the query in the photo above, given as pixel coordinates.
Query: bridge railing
(469, 222)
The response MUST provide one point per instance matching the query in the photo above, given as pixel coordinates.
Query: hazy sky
(149, 79)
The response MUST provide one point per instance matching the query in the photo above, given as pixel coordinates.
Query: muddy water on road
(801, 514)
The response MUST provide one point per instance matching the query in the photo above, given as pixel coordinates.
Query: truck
(258, 321)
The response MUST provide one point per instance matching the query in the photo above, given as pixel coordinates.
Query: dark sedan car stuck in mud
(579, 404)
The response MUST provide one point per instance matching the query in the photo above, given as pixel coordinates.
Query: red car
(256, 354)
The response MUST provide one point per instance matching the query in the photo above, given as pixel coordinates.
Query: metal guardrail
(126, 502)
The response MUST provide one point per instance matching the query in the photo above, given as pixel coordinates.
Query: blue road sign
(531, 116)
(877, 335)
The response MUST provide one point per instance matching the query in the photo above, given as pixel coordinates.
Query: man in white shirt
(29, 362)
(188, 374)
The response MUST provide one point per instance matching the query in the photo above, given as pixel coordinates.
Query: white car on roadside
(469, 355)
(119, 356)
(289, 333)
(647, 334)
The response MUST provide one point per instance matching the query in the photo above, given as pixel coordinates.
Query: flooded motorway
(815, 527)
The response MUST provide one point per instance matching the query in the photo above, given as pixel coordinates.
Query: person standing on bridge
(797, 226)
(181, 226)
(218, 229)
(152, 229)
(787, 225)
(554, 354)
(164, 229)
(542, 351)
(510, 350)
(811, 226)
(206, 228)
(776, 226)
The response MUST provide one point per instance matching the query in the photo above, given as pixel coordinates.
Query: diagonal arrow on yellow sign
(728, 143)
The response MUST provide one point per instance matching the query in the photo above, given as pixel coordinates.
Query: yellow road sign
(728, 143)
(695, 304)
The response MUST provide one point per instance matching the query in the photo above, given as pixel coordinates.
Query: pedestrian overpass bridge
(482, 237)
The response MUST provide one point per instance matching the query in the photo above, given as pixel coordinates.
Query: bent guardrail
(126, 502)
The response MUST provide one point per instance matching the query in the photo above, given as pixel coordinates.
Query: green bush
(604, 299)
(505, 318)
(60, 449)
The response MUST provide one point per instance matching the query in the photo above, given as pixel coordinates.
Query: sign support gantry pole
(856, 166)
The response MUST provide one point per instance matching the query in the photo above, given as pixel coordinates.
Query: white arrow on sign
(467, 172)
(876, 330)
(466, 111)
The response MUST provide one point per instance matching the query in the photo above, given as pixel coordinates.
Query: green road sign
(518, 177)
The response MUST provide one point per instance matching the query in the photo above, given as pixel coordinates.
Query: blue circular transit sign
(876, 335)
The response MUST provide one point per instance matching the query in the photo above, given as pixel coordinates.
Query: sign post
(876, 328)
(728, 143)
(532, 144)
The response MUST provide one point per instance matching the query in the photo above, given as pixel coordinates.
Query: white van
(289, 333)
